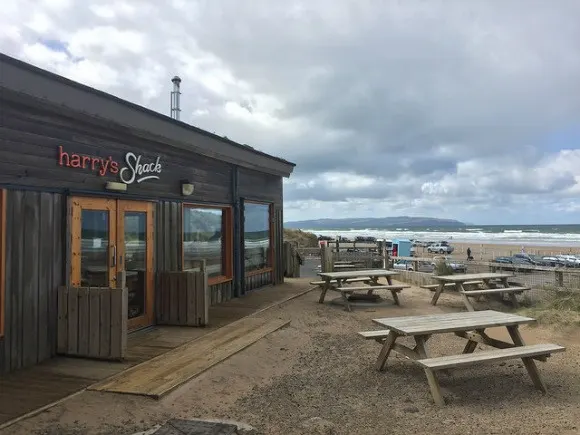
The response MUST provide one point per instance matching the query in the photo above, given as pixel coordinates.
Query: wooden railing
(92, 322)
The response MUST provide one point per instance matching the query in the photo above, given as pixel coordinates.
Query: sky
(457, 109)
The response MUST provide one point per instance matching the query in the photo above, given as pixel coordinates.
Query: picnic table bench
(460, 281)
(468, 325)
(434, 287)
(335, 281)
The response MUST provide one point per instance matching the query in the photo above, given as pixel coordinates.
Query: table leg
(345, 296)
(438, 293)
(471, 345)
(421, 349)
(529, 363)
(513, 297)
(385, 351)
(466, 300)
(325, 288)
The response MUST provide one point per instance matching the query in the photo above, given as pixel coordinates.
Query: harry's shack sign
(135, 169)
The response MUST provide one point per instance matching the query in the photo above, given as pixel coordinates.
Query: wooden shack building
(94, 189)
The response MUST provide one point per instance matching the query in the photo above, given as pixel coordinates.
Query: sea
(539, 235)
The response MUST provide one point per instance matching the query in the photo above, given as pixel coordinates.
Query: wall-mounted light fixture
(115, 186)
(186, 187)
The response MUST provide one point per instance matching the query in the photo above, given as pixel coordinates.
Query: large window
(2, 258)
(207, 235)
(257, 236)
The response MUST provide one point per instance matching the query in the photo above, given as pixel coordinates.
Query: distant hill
(378, 223)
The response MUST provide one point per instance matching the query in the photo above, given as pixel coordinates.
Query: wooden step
(467, 359)
(160, 375)
(499, 290)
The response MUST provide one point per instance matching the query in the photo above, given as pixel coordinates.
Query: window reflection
(256, 236)
(95, 248)
(204, 239)
(136, 261)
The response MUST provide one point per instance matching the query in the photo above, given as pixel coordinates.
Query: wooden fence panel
(292, 260)
(92, 322)
(183, 297)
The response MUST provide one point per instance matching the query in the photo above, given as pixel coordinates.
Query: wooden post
(559, 278)
(326, 259)
(291, 261)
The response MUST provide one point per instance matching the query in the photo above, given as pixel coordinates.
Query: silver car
(423, 266)
(439, 248)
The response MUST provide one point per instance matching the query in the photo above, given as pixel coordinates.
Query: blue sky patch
(59, 46)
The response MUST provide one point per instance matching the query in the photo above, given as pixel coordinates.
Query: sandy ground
(486, 252)
(317, 376)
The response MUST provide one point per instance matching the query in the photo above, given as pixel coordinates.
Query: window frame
(2, 260)
(227, 216)
(270, 266)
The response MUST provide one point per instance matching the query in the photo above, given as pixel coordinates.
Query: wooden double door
(109, 236)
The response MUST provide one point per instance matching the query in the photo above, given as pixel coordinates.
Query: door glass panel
(95, 248)
(136, 261)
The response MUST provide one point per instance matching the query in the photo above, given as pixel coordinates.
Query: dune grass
(559, 307)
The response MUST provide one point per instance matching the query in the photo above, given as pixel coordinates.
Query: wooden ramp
(160, 375)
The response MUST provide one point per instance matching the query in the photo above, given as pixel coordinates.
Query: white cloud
(443, 107)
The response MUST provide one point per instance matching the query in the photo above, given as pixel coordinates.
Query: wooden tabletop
(462, 277)
(358, 273)
(451, 322)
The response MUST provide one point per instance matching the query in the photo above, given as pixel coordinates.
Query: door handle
(114, 255)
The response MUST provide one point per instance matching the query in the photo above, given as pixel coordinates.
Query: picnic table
(459, 280)
(338, 281)
(470, 325)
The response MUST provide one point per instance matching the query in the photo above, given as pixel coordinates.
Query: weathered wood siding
(35, 228)
(168, 236)
(31, 133)
(257, 280)
(257, 186)
(222, 292)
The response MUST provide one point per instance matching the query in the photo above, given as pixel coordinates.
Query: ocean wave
(520, 237)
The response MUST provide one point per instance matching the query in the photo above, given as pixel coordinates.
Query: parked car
(438, 248)
(554, 261)
(530, 259)
(423, 266)
(569, 260)
(456, 266)
(512, 263)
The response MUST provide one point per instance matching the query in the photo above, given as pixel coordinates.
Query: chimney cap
(176, 79)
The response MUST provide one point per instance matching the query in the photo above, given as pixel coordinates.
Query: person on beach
(469, 257)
